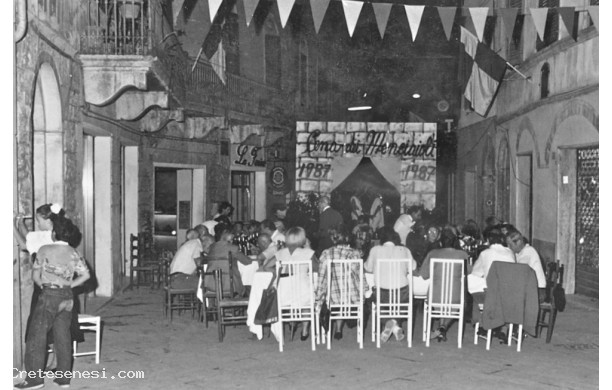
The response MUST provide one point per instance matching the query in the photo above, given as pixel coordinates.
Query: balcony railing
(119, 27)
(238, 92)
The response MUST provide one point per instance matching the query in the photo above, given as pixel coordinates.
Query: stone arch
(526, 125)
(569, 109)
(47, 135)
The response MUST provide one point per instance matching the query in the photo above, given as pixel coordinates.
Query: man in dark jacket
(328, 219)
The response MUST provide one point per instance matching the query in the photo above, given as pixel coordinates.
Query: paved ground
(185, 355)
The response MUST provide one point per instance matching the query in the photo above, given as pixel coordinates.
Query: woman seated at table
(340, 251)
(448, 240)
(295, 240)
(218, 256)
(390, 249)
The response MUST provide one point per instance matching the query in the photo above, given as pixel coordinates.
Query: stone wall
(417, 175)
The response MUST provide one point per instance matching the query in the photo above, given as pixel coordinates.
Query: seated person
(218, 256)
(526, 254)
(340, 251)
(477, 279)
(448, 240)
(268, 227)
(390, 249)
(295, 251)
(267, 250)
(185, 263)
(207, 241)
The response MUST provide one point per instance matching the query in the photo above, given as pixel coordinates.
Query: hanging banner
(479, 17)
(538, 15)
(414, 14)
(594, 14)
(381, 12)
(213, 7)
(567, 16)
(395, 161)
(249, 10)
(318, 8)
(447, 16)
(352, 9)
(217, 61)
(508, 17)
(284, 10)
(469, 41)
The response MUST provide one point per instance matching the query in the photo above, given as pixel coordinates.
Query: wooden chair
(345, 308)
(392, 308)
(145, 269)
(181, 299)
(446, 293)
(92, 324)
(554, 278)
(295, 296)
(209, 298)
(230, 311)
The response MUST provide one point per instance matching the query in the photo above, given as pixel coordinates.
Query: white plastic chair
(345, 309)
(92, 323)
(446, 293)
(393, 308)
(295, 295)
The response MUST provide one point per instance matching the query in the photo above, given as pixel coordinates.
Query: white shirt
(277, 236)
(496, 252)
(37, 238)
(530, 257)
(183, 260)
(388, 250)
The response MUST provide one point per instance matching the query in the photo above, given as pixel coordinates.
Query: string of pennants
(352, 10)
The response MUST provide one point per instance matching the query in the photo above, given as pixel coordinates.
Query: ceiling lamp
(416, 95)
(361, 103)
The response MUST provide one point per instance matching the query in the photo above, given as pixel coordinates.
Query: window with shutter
(273, 60)
(231, 43)
(515, 46)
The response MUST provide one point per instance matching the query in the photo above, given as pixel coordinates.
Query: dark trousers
(53, 311)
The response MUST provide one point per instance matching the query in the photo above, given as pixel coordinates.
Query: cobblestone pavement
(185, 355)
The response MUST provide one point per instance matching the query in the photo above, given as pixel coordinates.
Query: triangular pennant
(538, 15)
(567, 16)
(381, 12)
(479, 17)
(352, 9)
(213, 7)
(249, 10)
(177, 10)
(508, 17)
(318, 8)
(594, 14)
(284, 10)
(217, 62)
(447, 16)
(414, 14)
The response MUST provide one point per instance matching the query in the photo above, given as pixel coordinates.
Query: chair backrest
(296, 285)
(217, 275)
(447, 281)
(344, 272)
(395, 270)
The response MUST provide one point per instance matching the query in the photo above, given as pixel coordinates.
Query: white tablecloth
(247, 272)
(260, 282)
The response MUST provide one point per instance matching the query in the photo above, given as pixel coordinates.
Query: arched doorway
(48, 139)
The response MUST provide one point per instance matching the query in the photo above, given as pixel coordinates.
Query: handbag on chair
(267, 312)
(324, 317)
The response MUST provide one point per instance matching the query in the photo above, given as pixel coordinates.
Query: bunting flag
(381, 12)
(178, 7)
(538, 15)
(318, 8)
(414, 14)
(487, 72)
(447, 16)
(479, 18)
(249, 10)
(567, 16)
(284, 10)
(594, 14)
(508, 17)
(213, 7)
(352, 9)
(217, 61)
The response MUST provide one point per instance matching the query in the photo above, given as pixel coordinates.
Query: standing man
(328, 219)
(526, 254)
